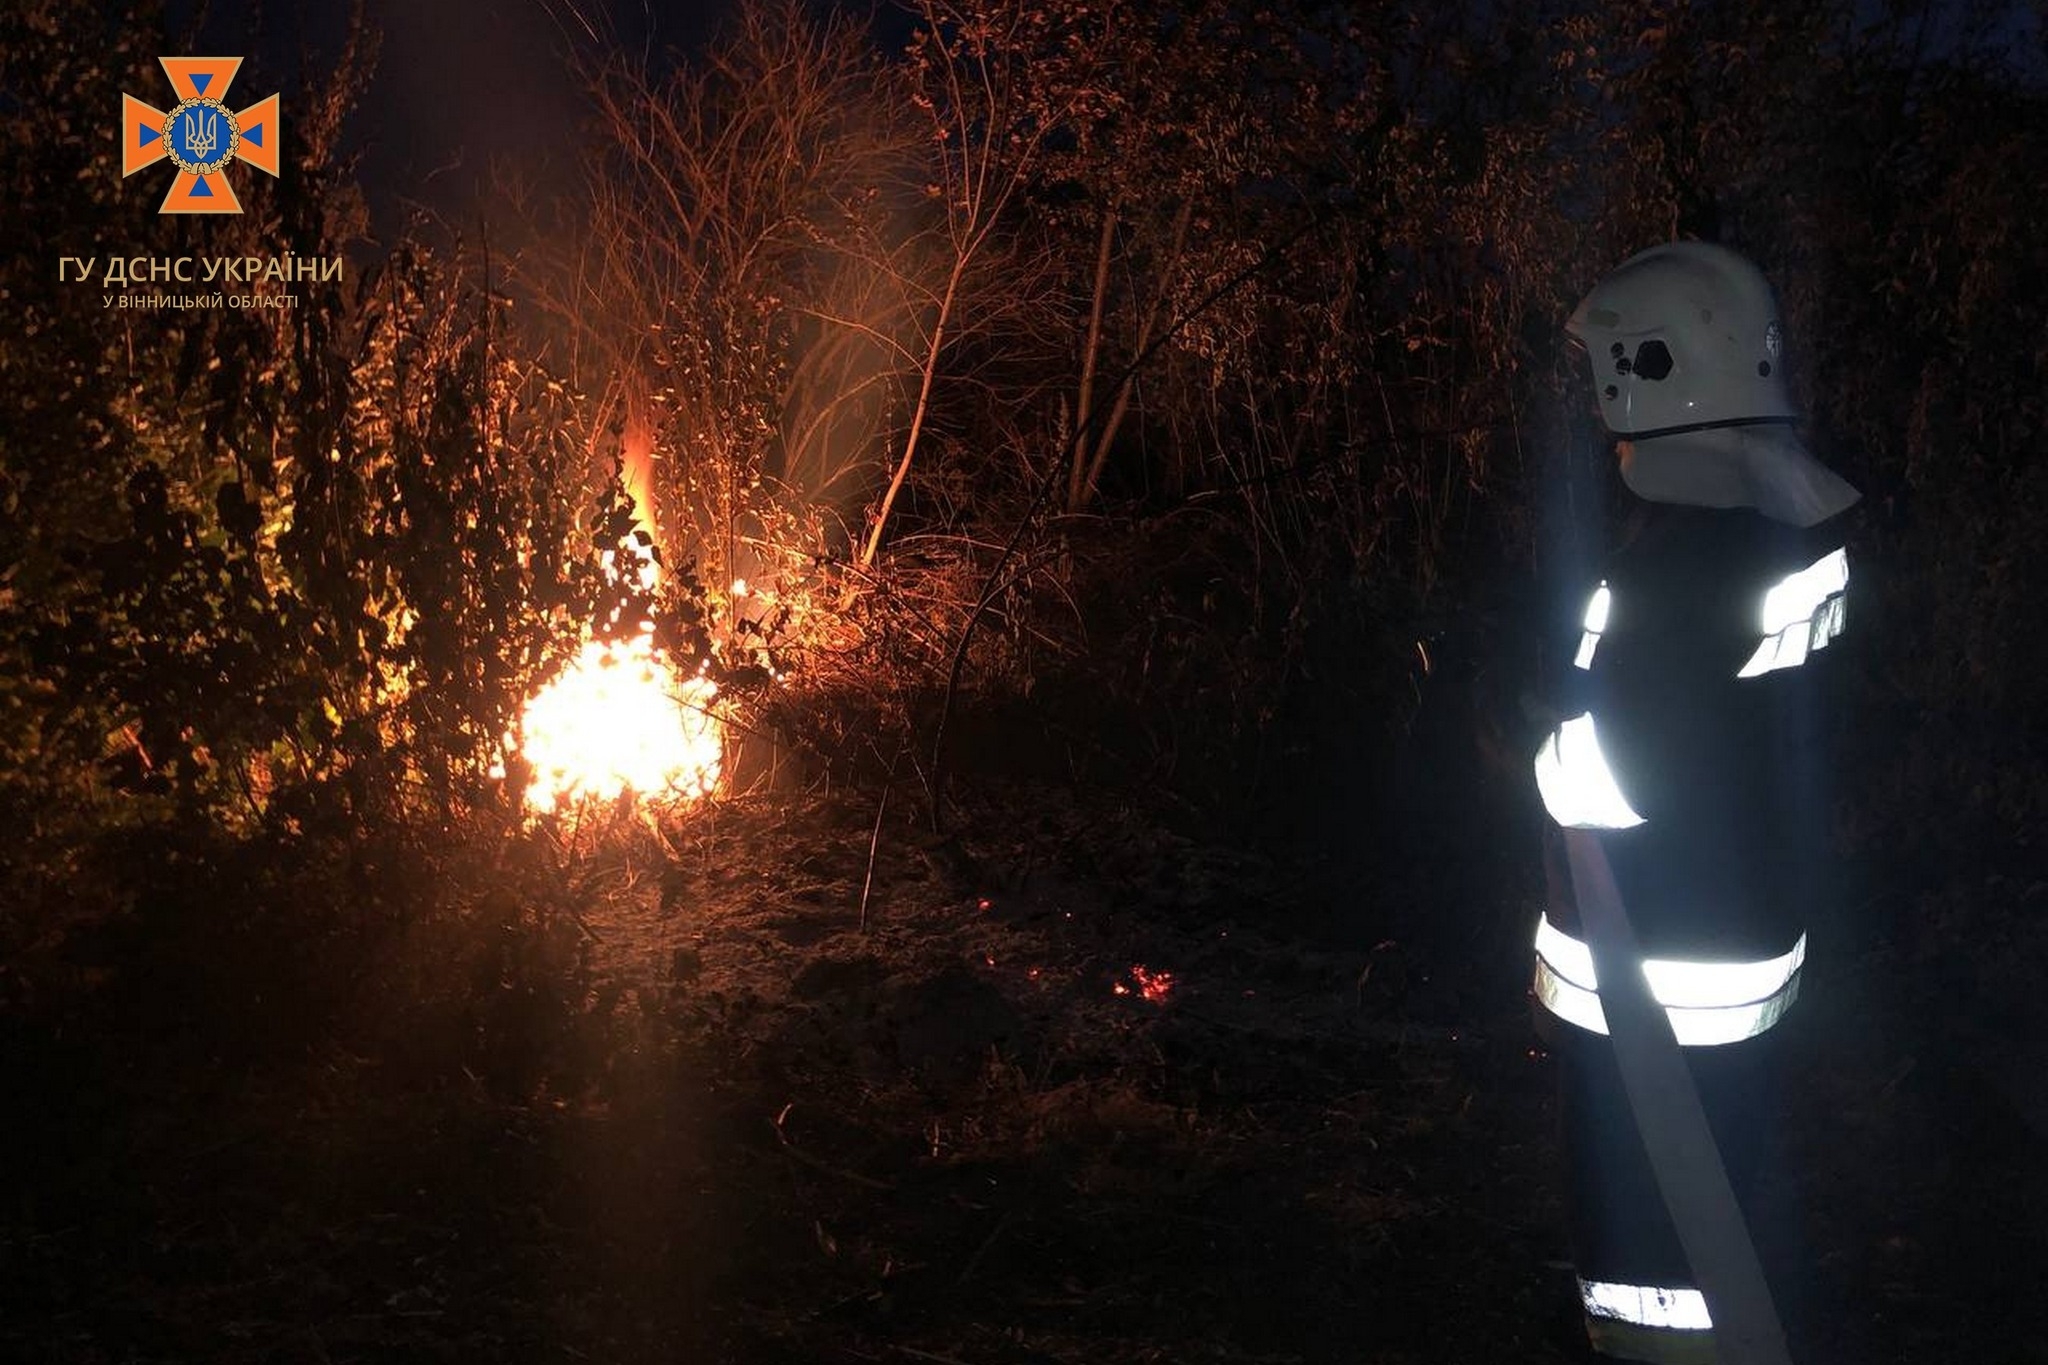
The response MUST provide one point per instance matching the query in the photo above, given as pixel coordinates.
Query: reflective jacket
(1696, 738)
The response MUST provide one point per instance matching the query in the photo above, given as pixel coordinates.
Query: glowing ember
(616, 722)
(1152, 986)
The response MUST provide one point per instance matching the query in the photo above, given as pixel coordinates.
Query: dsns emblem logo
(200, 135)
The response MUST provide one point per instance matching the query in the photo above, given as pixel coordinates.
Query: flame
(616, 720)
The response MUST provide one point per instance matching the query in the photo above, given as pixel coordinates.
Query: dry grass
(646, 1090)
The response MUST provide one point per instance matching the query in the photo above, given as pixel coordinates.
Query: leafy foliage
(266, 567)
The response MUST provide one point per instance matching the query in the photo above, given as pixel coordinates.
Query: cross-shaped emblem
(201, 135)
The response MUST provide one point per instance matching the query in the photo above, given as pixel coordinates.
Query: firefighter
(1688, 743)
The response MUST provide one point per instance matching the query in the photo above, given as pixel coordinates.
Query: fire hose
(1673, 1123)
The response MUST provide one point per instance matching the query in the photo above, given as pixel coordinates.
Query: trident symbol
(202, 129)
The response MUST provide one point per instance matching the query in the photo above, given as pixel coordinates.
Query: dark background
(320, 1048)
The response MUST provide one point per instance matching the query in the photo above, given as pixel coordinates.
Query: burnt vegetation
(1146, 438)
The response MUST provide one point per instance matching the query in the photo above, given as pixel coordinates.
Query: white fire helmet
(1687, 355)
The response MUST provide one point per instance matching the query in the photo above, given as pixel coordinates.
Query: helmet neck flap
(1755, 465)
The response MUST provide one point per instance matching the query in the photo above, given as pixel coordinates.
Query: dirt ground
(790, 1080)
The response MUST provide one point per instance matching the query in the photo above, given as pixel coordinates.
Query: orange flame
(617, 721)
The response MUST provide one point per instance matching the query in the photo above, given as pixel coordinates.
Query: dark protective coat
(1729, 773)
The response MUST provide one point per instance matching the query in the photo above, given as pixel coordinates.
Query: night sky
(460, 85)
